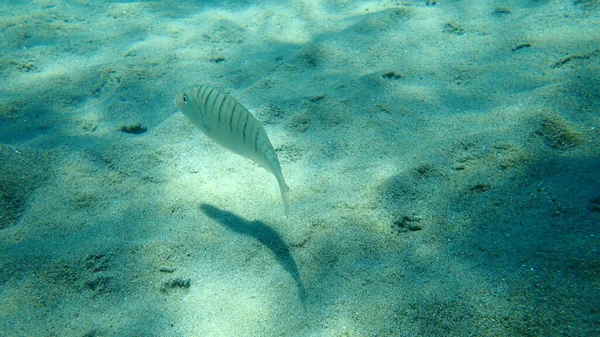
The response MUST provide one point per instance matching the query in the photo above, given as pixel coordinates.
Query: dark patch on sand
(407, 223)
(135, 129)
(391, 75)
(174, 284)
(23, 170)
(558, 133)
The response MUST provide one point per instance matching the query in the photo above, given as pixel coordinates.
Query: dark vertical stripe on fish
(256, 140)
(202, 96)
(207, 105)
(245, 126)
(227, 106)
(212, 101)
(231, 117)
(219, 109)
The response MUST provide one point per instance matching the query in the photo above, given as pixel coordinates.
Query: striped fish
(232, 126)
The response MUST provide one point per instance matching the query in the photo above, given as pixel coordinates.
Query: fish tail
(285, 195)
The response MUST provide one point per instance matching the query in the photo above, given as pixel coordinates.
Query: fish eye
(184, 98)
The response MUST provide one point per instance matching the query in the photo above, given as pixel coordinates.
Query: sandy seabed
(443, 159)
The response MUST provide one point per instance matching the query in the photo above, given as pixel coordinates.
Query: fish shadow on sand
(265, 235)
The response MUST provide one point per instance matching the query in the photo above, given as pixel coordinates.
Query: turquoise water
(443, 159)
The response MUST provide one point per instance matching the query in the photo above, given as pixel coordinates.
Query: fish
(229, 124)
